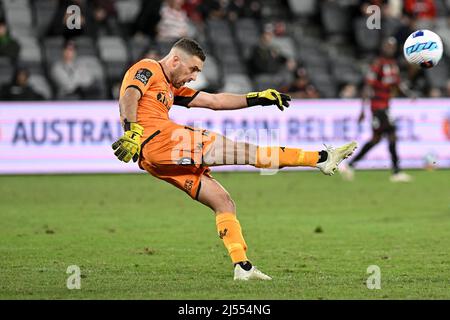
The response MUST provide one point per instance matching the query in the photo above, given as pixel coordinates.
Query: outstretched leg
(213, 195)
(225, 151)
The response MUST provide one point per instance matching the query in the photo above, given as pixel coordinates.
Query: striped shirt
(173, 24)
(384, 75)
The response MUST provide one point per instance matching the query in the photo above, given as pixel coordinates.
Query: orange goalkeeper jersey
(157, 94)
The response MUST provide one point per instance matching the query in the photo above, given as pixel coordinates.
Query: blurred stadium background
(309, 48)
(315, 235)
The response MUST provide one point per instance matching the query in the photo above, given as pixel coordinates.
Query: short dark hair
(69, 43)
(190, 46)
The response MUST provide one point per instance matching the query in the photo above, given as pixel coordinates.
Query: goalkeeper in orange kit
(181, 155)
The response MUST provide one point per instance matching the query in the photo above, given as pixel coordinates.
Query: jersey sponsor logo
(143, 75)
(188, 184)
(161, 97)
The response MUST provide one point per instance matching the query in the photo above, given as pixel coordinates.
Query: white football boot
(252, 274)
(335, 156)
(347, 172)
(400, 177)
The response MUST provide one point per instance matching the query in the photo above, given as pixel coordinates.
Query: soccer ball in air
(423, 48)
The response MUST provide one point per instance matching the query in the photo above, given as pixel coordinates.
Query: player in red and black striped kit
(382, 79)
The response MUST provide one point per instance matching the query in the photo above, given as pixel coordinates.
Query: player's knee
(226, 203)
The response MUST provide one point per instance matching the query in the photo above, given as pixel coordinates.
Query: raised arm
(229, 101)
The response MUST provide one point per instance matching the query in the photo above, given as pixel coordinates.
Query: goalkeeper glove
(268, 97)
(129, 145)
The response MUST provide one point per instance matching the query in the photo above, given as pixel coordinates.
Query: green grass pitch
(135, 237)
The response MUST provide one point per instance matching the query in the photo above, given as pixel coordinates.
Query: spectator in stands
(435, 93)
(394, 9)
(266, 58)
(279, 28)
(152, 53)
(364, 4)
(62, 18)
(8, 46)
(148, 18)
(71, 78)
(244, 9)
(301, 88)
(191, 8)
(408, 26)
(174, 23)
(420, 9)
(348, 91)
(215, 9)
(448, 88)
(105, 17)
(19, 89)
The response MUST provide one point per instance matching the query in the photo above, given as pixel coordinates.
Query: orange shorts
(175, 154)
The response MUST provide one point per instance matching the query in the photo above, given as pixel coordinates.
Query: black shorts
(381, 122)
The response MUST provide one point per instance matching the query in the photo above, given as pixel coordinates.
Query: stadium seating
(40, 84)
(138, 47)
(345, 70)
(127, 10)
(441, 8)
(335, 18)
(30, 50)
(438, 76)
(19, 18)
(304, 7)
(237, 83)
(368, 40)
(286, 46)
(6, 71)
(44, 12)
(85, 46)
(247, 34)
(53, 50)
(114, 54)
(325, 85)
(317, 35)
(212, 72)
(444, 33)
(390, 26)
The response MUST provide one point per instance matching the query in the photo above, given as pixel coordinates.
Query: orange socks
(230, 232)
(279, 157)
